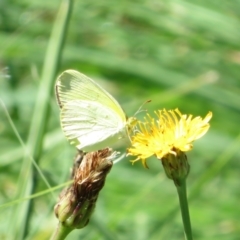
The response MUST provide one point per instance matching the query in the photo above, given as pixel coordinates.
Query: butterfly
(90, 117)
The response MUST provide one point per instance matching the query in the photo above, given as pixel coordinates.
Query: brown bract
(78, 201)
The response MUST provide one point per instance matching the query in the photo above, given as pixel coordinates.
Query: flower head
(78, 201)
(170, 133)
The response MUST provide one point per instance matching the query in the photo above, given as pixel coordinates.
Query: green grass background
(180, 54)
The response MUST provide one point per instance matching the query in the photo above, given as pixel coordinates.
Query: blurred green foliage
(180, 54)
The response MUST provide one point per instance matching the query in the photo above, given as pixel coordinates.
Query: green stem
(182, 196)
(61, 232)
(27, 177)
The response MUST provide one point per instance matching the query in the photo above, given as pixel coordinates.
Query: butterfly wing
(73, 85)
(91, 126)
(90, 117)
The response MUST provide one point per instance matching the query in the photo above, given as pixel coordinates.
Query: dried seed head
(77, 202)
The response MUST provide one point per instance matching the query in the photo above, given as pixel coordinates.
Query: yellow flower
(170, 133)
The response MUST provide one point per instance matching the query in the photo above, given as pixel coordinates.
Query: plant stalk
(61, 232)
(27, 178)
(182, 196)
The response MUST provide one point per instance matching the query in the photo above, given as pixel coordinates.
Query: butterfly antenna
(140, 108)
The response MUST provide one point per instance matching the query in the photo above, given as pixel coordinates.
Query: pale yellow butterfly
(90, 117)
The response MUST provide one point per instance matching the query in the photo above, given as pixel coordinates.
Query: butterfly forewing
(73, 85)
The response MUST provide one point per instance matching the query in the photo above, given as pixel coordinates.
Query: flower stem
(61, 232)
(182, 196)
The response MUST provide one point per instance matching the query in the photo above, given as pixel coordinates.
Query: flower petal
(172, 131)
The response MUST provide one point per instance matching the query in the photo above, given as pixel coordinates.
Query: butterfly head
(131, 123)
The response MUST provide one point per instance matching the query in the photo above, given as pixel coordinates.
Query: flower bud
(77, 202)
(176, 166)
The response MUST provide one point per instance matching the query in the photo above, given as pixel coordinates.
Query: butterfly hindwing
(87, 123)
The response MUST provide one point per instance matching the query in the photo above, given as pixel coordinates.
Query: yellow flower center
(170, 132)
